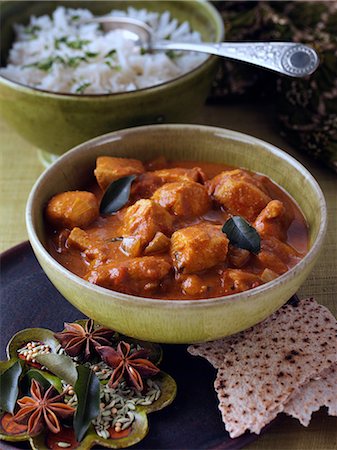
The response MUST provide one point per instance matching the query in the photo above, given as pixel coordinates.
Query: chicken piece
(198, 247)
(159, 244)
(238, 257)
(236, 280)
(149, 268)
(180, 174)
(144, 219)
(243, 175)
(136, 276)
(109, 169)
(238, 192)
(72, 209)
(145, 185)
(80, 240)
(186, 198)
(273, 220)
(276, 255)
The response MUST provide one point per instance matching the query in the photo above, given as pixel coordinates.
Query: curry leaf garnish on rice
(241, 234)
(117, 195)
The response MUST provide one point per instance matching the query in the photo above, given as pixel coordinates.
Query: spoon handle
(295, 60)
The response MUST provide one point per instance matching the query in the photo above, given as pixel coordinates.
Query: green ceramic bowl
(177, 321)
(57, 122)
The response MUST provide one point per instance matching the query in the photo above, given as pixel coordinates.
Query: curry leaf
(44, 378)
(117, 195)
(87, 391)
(241, 234)
(9, 387)
(60, 365)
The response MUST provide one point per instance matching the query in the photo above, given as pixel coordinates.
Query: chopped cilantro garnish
(75, 61)
(45, 64)
(114, 67)
(110, 53)
(77, 45)
(82, 88)
(58, 41)
(91, 54)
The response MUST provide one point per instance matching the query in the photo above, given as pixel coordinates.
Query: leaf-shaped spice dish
(92, 410)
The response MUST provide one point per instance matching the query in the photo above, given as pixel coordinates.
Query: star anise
(42, 409)
(133, 366)
(83, 341)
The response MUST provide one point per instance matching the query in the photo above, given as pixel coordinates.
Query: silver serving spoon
(288, 58)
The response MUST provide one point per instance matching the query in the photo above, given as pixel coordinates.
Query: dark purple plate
(193, 421)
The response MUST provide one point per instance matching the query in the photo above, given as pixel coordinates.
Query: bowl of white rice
(64, 80)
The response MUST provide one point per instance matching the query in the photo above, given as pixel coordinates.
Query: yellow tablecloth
(20, 168)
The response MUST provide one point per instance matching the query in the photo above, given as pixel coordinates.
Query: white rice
(57, 54)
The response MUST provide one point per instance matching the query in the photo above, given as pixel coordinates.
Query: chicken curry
(167, 241)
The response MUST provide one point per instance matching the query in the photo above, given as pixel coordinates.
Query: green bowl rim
(214, 301)
(220, 30)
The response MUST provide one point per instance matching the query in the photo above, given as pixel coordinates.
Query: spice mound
(85, 383)
(288, 363)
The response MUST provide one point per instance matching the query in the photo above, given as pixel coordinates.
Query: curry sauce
(167, 241)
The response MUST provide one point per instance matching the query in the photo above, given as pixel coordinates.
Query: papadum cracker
(319, 392)
(262, 367)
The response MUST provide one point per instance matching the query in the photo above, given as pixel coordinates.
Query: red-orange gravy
(233, 273)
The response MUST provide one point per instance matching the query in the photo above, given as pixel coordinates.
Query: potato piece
(277, 255)
(72, 209)
(238, 257)
(198, 247)
(180, 174)
(268, 275)
(186, 198)
(273, 221)
(109, 169)
(159, 244)
(236, 280)
(135, 276)
(131, 246)
(271, 261)
(144, 219)
(80, 240)
(238, 192)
